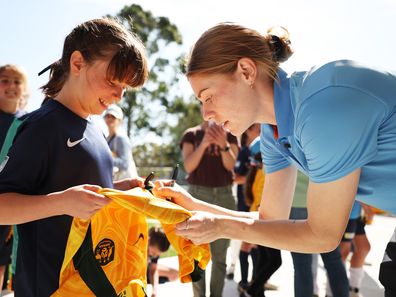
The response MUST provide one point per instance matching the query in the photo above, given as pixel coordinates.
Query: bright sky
(32, 32)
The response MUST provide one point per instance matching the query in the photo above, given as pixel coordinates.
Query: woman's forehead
(203, 81)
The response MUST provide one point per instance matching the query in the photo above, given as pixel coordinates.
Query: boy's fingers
(93, 188)
(101, 200)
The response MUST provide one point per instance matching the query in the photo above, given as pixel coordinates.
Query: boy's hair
(21, 72)
(98, 39)
(158, 238)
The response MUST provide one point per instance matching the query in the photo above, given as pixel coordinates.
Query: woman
(336, 123)
(209, 155)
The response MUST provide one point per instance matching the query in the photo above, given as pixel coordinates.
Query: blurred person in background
(209, 156)
(120, 146)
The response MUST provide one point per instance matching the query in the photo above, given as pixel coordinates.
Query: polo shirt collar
(282, 104)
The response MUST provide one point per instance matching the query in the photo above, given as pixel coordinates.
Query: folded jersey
(119, 243)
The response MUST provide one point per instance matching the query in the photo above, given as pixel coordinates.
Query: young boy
(157, 273)
(59, 158)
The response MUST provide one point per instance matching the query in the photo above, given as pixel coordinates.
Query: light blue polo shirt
(333, 120)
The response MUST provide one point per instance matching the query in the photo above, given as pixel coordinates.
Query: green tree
(159, 35)
(187, 114)
(159, 106)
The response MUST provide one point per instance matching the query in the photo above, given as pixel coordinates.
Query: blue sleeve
(123, 152)
(273, 160)
(337, 129)
(26, 168)
(356, 211)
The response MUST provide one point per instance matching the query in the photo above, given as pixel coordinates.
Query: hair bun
(280, 43)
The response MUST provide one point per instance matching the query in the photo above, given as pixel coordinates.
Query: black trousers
(269, 260)
(387, 274)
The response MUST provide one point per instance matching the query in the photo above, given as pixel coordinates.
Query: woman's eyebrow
(200, 92)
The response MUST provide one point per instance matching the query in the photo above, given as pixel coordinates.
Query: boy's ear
(77, 62)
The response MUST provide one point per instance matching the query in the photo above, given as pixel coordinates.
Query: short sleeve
(232, 139)
(26, 167)
(337, 129)
(273, 160)
(188, 137)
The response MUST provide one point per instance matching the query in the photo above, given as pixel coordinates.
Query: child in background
(157, 273)
(120, 146)
(13, 89)
(269, 259)
(355, 240)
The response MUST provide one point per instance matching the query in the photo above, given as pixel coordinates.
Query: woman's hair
(99, 39)
(219, 49)
(21, 72)
(158, 238)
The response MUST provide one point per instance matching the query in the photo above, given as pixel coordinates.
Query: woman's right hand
(81, 201)
(169, 189)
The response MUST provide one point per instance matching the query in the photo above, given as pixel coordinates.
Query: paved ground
(378, 233)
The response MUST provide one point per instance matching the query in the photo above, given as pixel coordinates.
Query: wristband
(226, 149)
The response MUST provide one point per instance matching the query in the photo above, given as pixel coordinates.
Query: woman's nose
(207, 113)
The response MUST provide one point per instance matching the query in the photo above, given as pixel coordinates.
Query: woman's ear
(77, 62)
(248, 70)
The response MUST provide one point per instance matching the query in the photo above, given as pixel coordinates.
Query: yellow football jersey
(119, 236)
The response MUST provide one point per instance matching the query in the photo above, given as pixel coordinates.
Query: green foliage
(159, 106)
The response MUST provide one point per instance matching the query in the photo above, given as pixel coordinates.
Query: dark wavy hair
(98, 39)
(157, 237)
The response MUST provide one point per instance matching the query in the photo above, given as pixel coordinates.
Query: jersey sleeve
(273, 160)
(337, 129)
(26, 168)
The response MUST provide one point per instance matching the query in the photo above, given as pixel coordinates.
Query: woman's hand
(81, 201)
(169, 189)
(128, 183)
(202, 227)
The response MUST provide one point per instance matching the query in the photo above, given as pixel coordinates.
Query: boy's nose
(118, 93)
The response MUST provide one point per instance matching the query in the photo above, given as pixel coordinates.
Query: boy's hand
(81, 201)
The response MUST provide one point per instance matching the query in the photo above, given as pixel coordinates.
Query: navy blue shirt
(54, 149)
(242, 168)
(5, 122)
